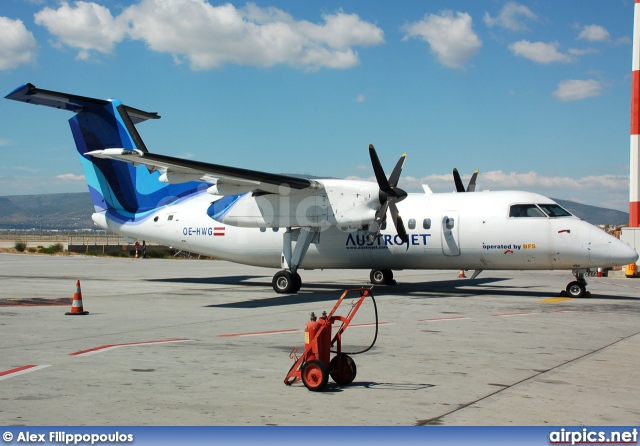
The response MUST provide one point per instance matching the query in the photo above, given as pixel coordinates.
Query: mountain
(593, 214)
(73, 211)
(52, 211)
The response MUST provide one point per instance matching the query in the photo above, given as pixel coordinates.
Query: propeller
(389, 195)
(459, 186)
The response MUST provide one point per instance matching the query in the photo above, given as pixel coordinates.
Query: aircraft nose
(623, 254)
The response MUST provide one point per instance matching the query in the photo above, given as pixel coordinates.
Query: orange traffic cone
(76, 304)
(461, 275)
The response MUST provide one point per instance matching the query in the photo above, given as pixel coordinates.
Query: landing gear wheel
(285, 282)
(347, 371)
(576, 289)
(298, 280)
(381, 276)
(315, 375)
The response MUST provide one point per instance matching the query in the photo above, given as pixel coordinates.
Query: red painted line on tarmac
(512, 314)
(258, 333)
(17, 369)
(370, 324)
(21, 370)
(128, 344)
(436, 319)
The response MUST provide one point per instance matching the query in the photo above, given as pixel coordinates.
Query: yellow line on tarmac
(555, 300)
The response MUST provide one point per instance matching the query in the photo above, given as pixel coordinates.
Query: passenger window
(426, 223)
(449, 223)
(412, 223)
(170, 217)
(276, 229)
(525, 210)
(263, 229)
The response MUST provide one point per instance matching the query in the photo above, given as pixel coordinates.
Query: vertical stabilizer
(126, 192)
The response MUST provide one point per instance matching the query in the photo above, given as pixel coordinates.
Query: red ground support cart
(313, 367)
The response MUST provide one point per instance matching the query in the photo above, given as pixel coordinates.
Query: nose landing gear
(577, 288)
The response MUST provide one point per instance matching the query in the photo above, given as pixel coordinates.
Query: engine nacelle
(335, 205)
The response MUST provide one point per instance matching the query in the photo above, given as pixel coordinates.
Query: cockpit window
(525, 210)
(555, 210)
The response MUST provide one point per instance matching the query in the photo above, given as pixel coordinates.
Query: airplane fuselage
(445, 231)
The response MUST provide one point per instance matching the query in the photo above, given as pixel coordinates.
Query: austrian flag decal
(218, 232)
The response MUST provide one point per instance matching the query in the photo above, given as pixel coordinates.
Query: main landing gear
(577, 288)
(382, 277)
(288, 280)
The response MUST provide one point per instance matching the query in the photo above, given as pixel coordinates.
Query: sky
(535, 94)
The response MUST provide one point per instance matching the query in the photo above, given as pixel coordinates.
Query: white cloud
(539, 52)
(70, 177)
(499, 180)
(574, 90)
(450, 37)
(17, 44)
(211, 36)
(609, 190)
(86, 26)
(511, 17)
(594, 33)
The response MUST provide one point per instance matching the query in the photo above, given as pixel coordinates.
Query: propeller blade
(398, 223)
(472, 182)
(376, 224)
(395, 175)
(457, 180)
(381, 178)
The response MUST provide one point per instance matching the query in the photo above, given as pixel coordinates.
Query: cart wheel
(347, 372)
(315, 375)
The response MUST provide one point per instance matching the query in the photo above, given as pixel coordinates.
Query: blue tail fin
(128, 193)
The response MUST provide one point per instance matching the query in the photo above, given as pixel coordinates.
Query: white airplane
(279, 221)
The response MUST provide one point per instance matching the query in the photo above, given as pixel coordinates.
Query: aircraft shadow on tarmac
(329, 292)
(226, 280)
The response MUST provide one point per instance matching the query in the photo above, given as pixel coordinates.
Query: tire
(347, 371)
(298, 282)
(314, 375)
(285, 283)
(576, 289)
(381, 276)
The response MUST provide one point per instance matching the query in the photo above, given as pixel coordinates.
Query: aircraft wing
(228, 180)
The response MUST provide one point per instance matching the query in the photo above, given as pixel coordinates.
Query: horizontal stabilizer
(63, 101)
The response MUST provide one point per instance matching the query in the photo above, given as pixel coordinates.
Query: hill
(52, 211)
(73, 211)
(593, 214)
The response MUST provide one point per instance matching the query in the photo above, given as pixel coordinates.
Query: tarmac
(188, 342)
